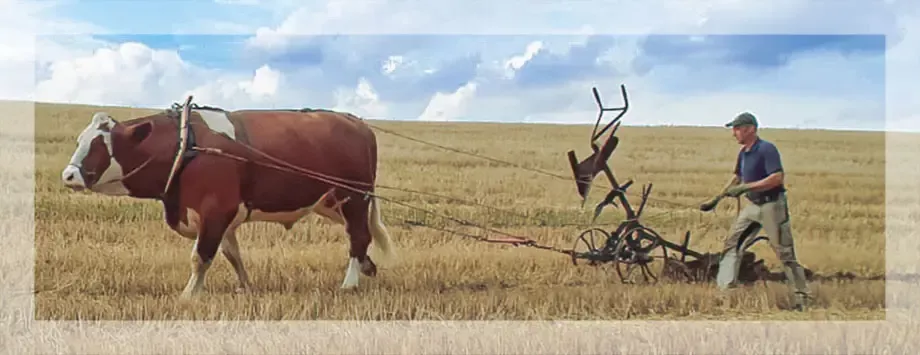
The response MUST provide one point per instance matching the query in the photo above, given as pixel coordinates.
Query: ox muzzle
(73, 177)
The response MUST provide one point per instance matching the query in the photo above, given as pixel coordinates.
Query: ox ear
(139, 132)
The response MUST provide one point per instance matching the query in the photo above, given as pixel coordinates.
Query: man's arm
(767, 183)
(735, 180)
(736, 175)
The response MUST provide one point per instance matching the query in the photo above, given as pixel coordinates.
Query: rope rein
(539, 171)
(365, 188)
(515, 240)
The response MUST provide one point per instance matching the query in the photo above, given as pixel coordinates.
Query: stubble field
(110, 258)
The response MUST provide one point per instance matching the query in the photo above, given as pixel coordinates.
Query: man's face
(743, 133)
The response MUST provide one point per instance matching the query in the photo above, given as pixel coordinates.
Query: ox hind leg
(355, 214)
(231, 249)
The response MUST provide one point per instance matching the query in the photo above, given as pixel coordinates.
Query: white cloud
(392, 63)
(516, 62)
(362, 101)
(126, 74)
(264, 83)
(307, 19)
(729, 16)
(449, 107)
(22, 49)
(134, 74)
(791, 96)
(237, 91)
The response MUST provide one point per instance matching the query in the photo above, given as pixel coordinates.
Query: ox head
(94, 165)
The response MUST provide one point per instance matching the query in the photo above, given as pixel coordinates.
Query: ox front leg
(359, 234)
(209, 239)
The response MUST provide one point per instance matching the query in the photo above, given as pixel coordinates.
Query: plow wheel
(640, 252)
(590, 247)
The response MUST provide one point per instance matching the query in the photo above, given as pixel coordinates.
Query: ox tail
(382, 246)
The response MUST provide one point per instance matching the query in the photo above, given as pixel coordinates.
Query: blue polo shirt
(756, 164)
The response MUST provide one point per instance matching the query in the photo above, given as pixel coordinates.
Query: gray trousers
(773, 217)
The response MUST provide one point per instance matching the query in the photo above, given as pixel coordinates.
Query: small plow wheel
(639, 249)
(590, 246)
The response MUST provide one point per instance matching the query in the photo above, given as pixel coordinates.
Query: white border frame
(897, 334)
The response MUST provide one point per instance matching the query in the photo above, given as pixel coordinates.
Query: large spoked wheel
(590, 246)
(639, 249)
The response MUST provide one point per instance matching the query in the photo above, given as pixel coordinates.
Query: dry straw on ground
(102, 258)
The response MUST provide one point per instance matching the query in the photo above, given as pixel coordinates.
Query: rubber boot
(798, 285)
(728, 269)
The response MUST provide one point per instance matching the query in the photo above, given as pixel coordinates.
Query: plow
(632, 246)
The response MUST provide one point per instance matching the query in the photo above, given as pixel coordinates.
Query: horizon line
(406, 120)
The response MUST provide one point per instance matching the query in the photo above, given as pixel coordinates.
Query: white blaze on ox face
(108, 181)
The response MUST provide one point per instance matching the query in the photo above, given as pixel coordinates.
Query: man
(759, 175)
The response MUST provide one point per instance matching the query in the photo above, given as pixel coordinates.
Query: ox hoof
(368, 267)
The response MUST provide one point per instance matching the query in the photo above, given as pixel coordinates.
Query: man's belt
(765, 198)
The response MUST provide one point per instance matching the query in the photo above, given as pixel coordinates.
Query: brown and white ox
(212, 195)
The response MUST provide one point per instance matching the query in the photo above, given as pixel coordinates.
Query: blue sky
(237, 54)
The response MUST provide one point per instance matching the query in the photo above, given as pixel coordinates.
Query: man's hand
(709, 205)
(737, 190)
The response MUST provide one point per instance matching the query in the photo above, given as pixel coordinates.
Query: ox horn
(183, 141)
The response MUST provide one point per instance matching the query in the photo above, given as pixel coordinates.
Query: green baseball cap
(744, 118)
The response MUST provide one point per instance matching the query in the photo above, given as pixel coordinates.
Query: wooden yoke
(183, 143)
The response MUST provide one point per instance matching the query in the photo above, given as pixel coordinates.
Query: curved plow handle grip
(711, 203)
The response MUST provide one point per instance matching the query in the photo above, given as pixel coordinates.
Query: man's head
(744, 128)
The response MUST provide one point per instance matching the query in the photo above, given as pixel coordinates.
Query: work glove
(709, 205)
(737, 190)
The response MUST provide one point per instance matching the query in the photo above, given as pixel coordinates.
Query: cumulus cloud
(313, 17)
(24, 50)
(239, 91)
(513, 64)
(362, 101)
(808, 92)
(449, 107)
(127, 74)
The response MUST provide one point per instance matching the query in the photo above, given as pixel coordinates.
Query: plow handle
(597, 98)
(601, 109)
(711, 204)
